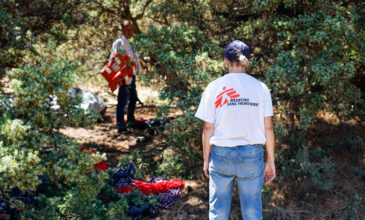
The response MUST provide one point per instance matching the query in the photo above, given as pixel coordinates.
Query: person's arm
(207, 134)
(143, 65)
(270, 172)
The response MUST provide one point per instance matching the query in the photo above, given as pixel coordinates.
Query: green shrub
(35, 156)
(310, 55)
(302, 163)
(353, 204)
(186, 62)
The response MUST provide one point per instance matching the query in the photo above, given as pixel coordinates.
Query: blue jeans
(244, 163)
(126, 93)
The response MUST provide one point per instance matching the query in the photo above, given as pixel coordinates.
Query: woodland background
(309, 53)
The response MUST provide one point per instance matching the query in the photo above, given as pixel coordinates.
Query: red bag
(118, 69)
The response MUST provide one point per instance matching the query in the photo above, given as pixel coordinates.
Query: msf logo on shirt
(225, 96)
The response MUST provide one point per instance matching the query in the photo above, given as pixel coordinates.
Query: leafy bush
(310, 55)
(320, 170)
(186, 62)
(141, 160)
(25, 23)
(353, 205)
(36, 158)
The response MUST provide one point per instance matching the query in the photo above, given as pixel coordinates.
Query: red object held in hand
(118, 69)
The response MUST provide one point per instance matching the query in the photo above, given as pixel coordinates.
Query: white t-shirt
(236, 104)
(122, 43)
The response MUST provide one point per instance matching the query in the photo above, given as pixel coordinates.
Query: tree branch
(143, 10)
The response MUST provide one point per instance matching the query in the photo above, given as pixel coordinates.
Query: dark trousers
(125, 94)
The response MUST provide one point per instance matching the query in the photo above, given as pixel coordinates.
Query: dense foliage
(22, 22)
(309, 53)
(186, 64)
(38, 160)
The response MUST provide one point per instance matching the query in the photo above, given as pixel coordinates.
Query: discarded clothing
(143, 211)
(89, 100)
(124, 175)
(15, 194)
(168, 198)
(88, 149)
(4, 205)
(151, 188)
(167, 191)
(101, 166)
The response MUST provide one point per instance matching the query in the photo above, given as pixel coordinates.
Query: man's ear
(248, 63)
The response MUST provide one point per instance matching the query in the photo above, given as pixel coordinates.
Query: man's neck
(126, 36)
(236, 70)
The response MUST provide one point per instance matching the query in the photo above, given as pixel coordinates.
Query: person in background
(237, 113)
(126, 92)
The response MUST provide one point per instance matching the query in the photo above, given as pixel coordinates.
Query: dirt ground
(193, 203)
(292, 200)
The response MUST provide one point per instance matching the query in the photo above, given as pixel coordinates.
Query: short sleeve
(268, 110)
(120, 43)
(206, 110)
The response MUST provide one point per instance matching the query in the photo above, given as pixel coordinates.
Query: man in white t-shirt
(237, 113)
(126, 92)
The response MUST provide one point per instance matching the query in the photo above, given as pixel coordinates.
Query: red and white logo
(225, 96)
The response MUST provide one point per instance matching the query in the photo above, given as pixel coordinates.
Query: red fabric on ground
(151, 188)
(124, 189)
(101, 166)
(88, 149)
(139, 119)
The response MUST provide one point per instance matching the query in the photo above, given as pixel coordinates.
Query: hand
(270, 172)
(205, 168)
(146, 70)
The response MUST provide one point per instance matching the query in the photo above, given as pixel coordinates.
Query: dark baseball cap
(234, 47)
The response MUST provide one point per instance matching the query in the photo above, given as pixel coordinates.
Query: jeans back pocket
(250, 166)
(221, 162)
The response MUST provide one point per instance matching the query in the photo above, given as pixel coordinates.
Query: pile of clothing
(153, 126)
(166, 191)
(89, 101)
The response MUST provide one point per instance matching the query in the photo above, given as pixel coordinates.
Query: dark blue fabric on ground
(144, 210)
(16, 194)
(4, 206)
(167, 199)
(124, 175)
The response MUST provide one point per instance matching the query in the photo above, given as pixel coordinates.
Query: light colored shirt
(236, 104)
(122, 43)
